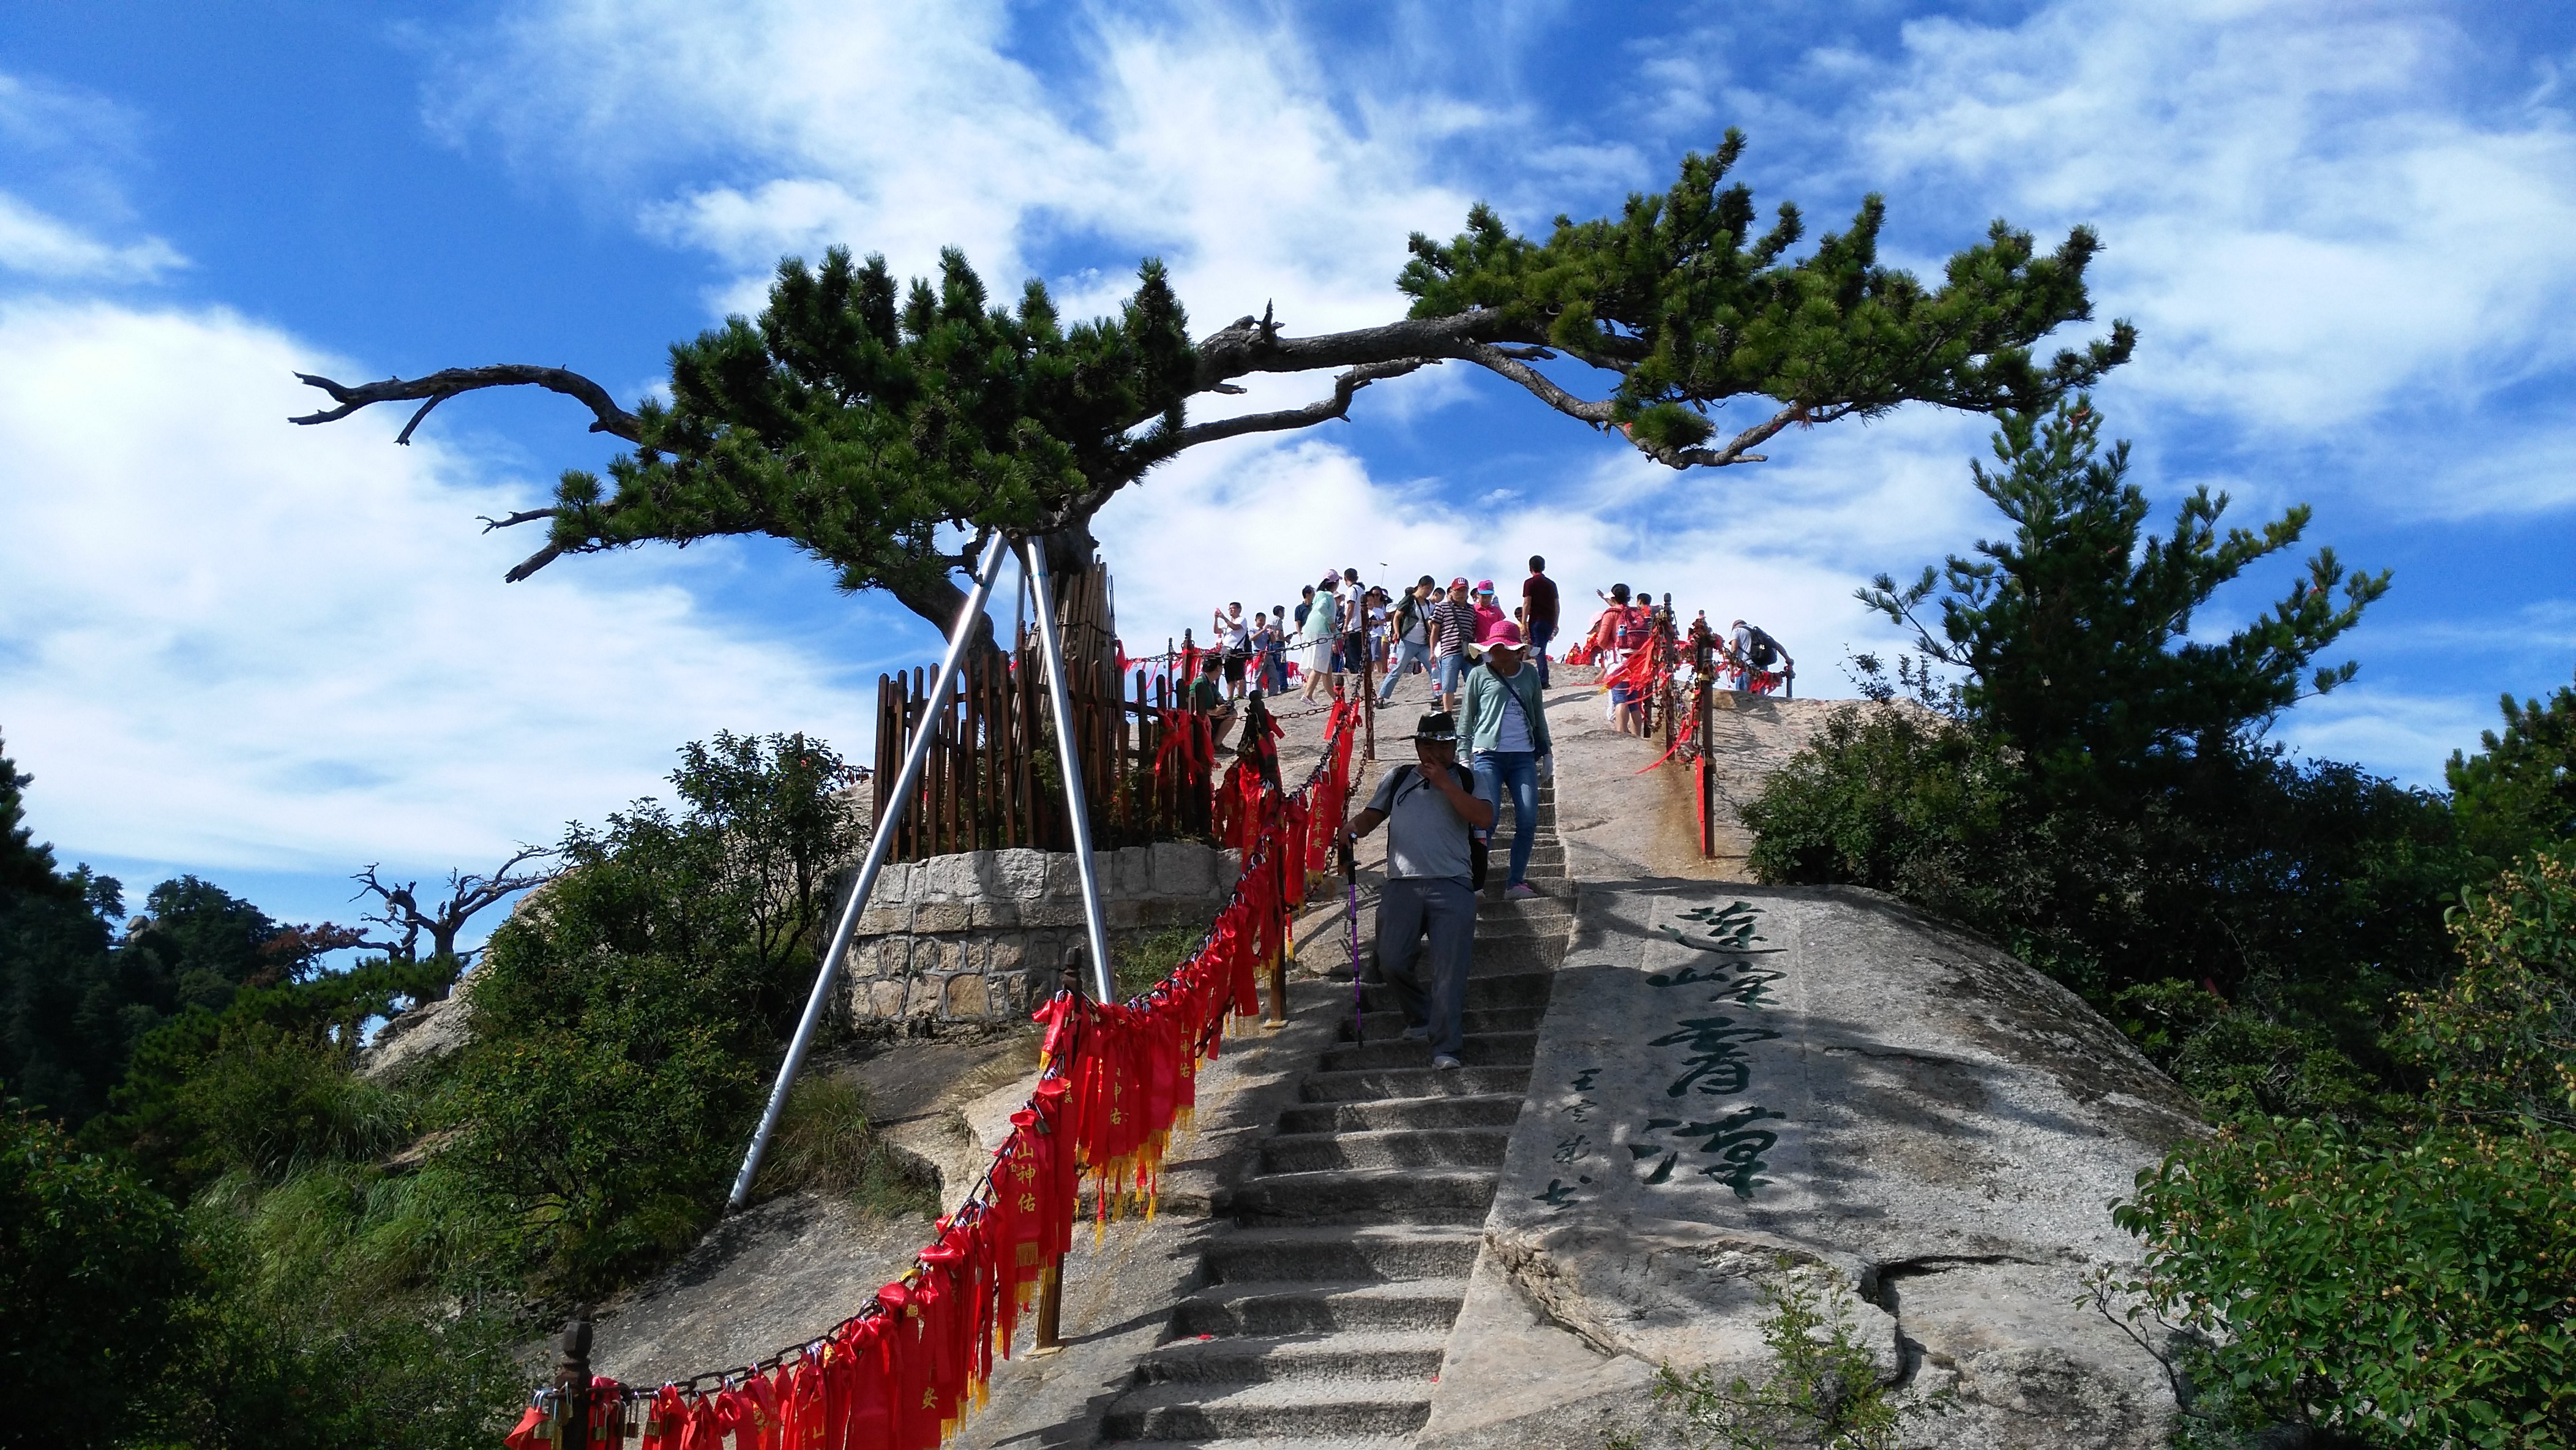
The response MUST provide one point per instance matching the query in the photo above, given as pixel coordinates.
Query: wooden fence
(992, 780)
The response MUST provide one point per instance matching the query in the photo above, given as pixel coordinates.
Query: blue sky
(271, 655)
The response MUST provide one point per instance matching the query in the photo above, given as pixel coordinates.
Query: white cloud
(2405, 736)
(237, 643)
(49, 247)
(2301, 211)
(1214, 143)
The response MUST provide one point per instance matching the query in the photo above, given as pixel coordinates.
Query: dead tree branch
(440, 386)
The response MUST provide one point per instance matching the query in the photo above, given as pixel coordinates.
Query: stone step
(1493, 1110)
(1387, 1025)
(1496, 954)
(1386, 1148)
(1254, 1307)
(1494, 1049)
(1343, 1253)
(1396, 1084)
(1264, 1409)
(1500, 917)
(1366, 1195)
(1404, 1354)
(1484, 990)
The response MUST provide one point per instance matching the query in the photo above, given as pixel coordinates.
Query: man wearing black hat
(1435, 812)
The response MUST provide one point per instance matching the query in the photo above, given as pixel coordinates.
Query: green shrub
(93, 1268)
(1823, 1388)
(2499, 1042)
(2403, 1291)
(824, 1142)
(340, 1313)
(626, 1018)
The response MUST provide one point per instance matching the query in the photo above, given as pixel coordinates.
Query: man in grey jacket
(1429, 864)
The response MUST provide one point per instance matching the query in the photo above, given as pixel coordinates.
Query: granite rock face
(1736, 1082)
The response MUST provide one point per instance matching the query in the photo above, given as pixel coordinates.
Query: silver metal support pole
(987, 569)
(1051, 640)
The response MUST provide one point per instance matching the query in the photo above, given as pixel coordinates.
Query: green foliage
(623, 1019)
(92, 1267)
(857, 427)
(2400, 1290)
(77, 1002)
(1823, 1389)
(342, 1311)
(1896, 797)
(2498, 1043)
(1681, 296)
(2306, 891)
(824, 1142)
(2074, 633)
(2519, 791)
(2094, 794)
(1149, 956)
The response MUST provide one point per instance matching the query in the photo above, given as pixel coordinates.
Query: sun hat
(1439, 727)
(1505, 634)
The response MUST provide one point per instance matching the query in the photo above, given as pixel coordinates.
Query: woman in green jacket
(1506, 736)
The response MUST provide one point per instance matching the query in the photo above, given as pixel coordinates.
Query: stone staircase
(1325, 1312)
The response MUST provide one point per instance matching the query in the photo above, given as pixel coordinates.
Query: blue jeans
(1407, 655)
(1449, 671)
(1433, 992)
(1518, 770)
(1539, 635)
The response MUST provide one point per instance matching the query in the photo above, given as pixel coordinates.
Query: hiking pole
(1359, 1009)
(987, 569)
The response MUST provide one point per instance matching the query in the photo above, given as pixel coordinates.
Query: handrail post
(880, 842)
(1050, 638)
(572, 1384)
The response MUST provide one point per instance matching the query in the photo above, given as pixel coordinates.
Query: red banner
(1116, 1080)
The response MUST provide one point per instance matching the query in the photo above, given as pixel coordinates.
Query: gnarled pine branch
(439, 386)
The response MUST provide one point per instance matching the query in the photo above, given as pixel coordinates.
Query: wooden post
(1368, 687)
(572, 1384)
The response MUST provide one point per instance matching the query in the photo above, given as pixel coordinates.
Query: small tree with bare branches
(400, 908)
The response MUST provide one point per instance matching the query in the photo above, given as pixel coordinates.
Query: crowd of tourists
(1484, 738)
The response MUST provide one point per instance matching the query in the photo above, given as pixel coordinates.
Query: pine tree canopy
(865, 428)
(2076, 634)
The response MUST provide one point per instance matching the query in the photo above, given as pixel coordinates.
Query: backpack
(1762, 649)
(1478, 852)
(1407, 614)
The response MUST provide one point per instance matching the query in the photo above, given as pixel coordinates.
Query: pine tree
(2519, 791)
(861, 426)
(2074, 633)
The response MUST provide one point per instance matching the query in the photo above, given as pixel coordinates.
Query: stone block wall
(977, 936)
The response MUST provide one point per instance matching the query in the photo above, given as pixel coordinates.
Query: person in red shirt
(1538, 603)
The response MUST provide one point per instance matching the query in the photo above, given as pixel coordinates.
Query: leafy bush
(93, 1265)
(2499, 1042)
(265, 1085)
(625, 1017)
(340, 1314)
(2402, 1291)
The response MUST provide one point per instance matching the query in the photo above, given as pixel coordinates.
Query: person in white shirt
(1233, 636)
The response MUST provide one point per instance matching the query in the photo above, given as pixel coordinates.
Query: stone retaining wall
(963, 938)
